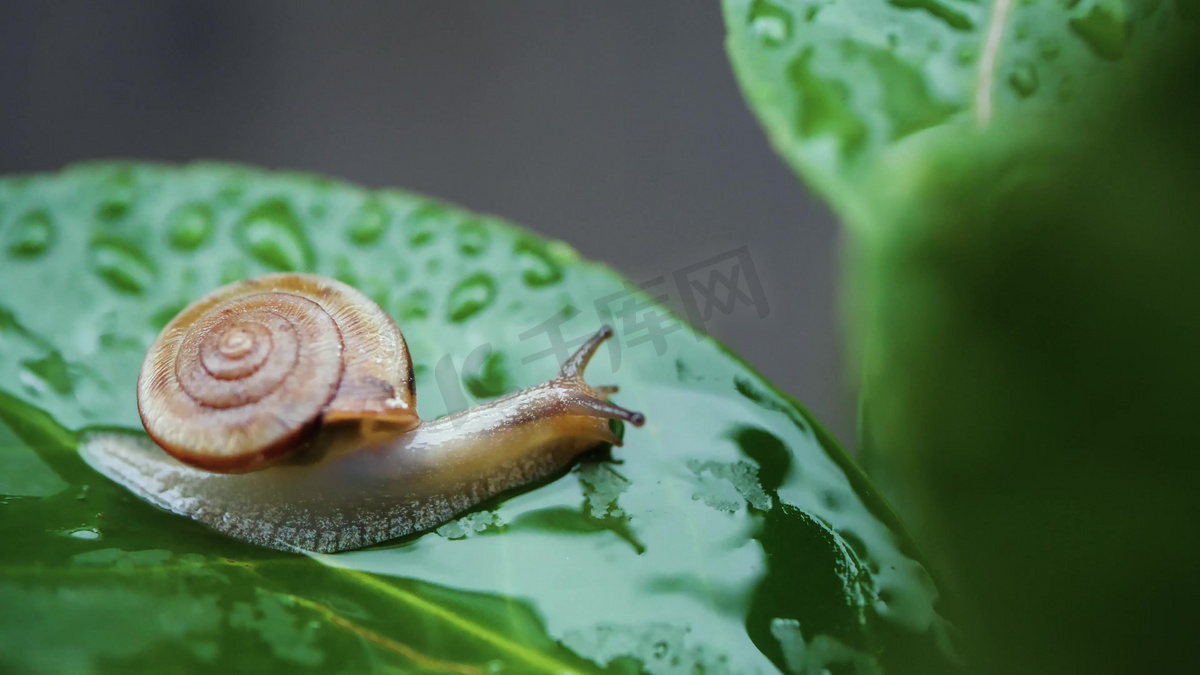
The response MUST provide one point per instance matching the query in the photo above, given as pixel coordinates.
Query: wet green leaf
(730, 534)
(854, 94)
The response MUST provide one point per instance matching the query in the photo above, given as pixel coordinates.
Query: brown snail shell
(243, 375)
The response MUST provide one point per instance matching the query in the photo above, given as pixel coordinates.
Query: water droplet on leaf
(123, 265)
(31, 235)
(233, 189)
(53, 370)
(118, 196)
(908, 99)
(539, 268)
(824, 108)
(472, 238)
(471, 296)
(1048, 48)
(189, 226)
(271, 233)
(771, 23)
(368, 223)
(487, 377)
(421, 224)
(471, 524)
(940, 11)
(1024, 79)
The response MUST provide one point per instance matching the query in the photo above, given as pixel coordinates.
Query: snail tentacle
(577, 362)
(590, 400)
(577, 398)
(589, 405)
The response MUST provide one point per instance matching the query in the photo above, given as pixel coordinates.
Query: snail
(282, 411)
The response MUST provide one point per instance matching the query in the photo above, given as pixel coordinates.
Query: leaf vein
(988, 59)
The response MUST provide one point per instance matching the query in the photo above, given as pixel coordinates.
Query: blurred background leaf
(1023, 265)
(1032, 339)
(849, 90)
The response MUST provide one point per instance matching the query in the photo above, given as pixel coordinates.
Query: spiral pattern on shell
(243, 375)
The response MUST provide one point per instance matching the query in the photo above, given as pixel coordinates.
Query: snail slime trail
(245, 377)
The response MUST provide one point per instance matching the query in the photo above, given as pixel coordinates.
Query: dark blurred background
(616, 127)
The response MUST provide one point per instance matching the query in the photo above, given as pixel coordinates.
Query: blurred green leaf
(853, 94)
(1030, 370)
(731, 534)
(1019, 177)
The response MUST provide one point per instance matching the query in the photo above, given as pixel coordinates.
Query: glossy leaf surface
(730, 534)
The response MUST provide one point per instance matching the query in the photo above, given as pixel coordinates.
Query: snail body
(281, 411)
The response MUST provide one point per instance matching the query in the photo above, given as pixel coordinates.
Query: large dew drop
(189, 226)
(471, 296)
(422, 224)
(539, 268)
(487, 376)
(121, 264)
(271, 234)
(31, 235)
(368, 223)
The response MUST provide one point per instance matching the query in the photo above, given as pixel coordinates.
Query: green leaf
(854, 94)
(731, 534)
(1022, 281)
(1031, 371)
